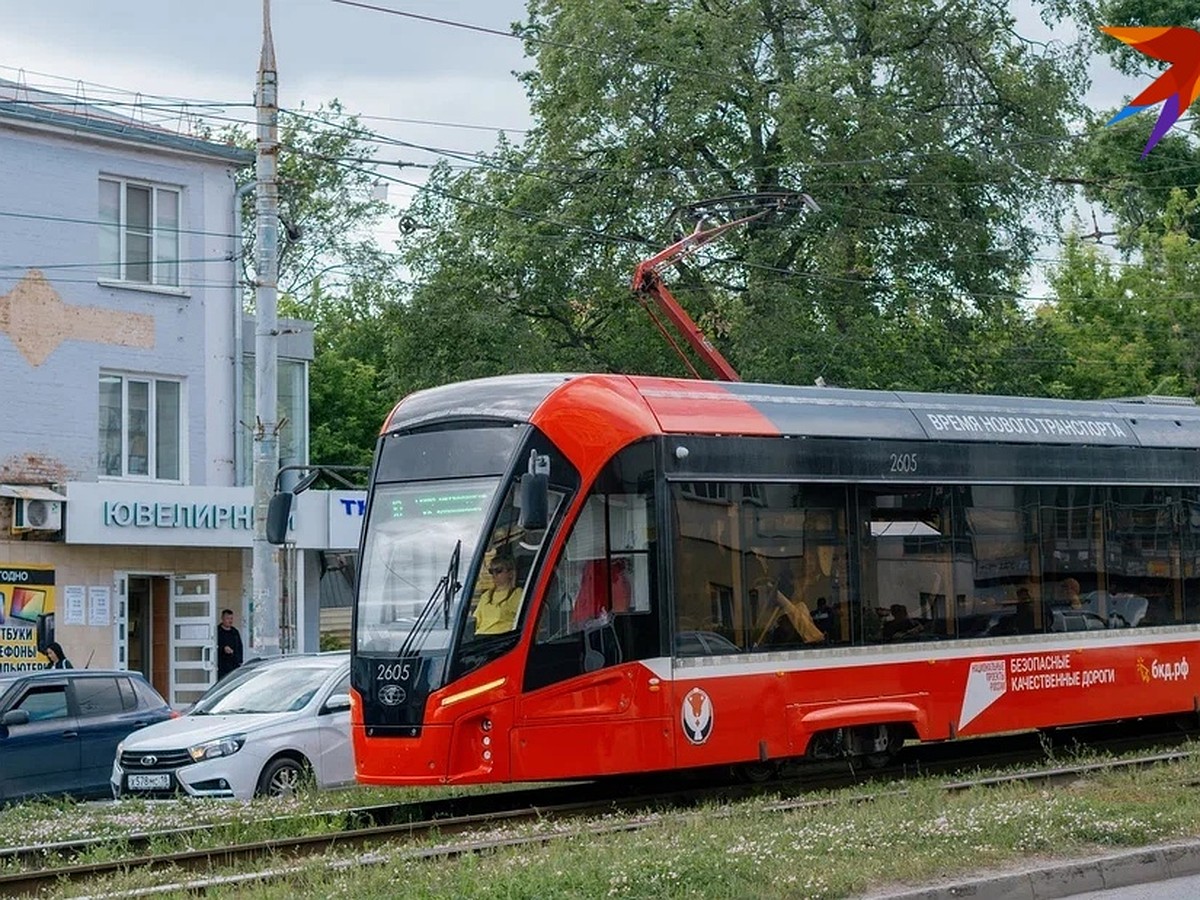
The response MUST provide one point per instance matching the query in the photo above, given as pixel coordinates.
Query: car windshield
(264, 689)
(411, 538)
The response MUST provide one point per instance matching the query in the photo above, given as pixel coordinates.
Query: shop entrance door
(141, 627)
(193, 639)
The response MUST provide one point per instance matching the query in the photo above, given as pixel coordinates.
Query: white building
(126, 515)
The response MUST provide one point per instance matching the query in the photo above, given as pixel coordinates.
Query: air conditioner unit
(36, 515)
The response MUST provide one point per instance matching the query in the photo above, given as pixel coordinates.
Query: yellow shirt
(497, 611)
(800, 616)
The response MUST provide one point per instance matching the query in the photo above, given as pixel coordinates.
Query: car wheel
(284, 777)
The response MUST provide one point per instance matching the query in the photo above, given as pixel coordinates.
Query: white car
(263, 730)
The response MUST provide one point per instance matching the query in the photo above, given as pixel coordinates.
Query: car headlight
(226, 746)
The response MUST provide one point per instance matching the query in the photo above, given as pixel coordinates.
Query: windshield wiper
(451, 581)
(448, 583)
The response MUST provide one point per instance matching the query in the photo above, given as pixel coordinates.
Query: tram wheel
(756, 773)
(887, 737)
(1186, 722)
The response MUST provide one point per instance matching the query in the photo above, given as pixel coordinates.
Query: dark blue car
(59, 729)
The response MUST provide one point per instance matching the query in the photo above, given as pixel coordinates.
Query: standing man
(229, 645)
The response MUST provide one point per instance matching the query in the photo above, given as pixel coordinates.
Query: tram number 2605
(397, 671)
(903, 463)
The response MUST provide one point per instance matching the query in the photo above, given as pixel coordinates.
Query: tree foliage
(334, 273)
(1109, 164)
(1131, 327)
(327, 203)
(925, 134)
(1127, 321)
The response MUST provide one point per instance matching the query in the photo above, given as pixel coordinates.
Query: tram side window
(1143, 530)
(1074, 576)
(708, 611)
(600, 607)
(999, 560)
(907, 553)
(595, 580)
(997, 576)
(759, 567)
(1189, 557)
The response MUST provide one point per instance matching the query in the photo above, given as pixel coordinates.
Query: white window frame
(152, 382)
(118, 269)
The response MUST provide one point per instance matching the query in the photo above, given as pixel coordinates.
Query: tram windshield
(415, 536)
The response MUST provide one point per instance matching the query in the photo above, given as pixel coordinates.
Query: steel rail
(469, 847)
(456, 815)
(357, 816)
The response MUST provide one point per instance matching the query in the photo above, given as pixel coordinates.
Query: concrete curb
(1066, 879)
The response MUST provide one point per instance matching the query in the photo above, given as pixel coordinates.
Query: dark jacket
(63, 662)
(227, 662)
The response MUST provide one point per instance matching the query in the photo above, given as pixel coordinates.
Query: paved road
(1164, 872)
(1174, 889)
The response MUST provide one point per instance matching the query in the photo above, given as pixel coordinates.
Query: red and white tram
(736, 574)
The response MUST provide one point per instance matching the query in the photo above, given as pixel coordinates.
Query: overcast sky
(378, 65)
(209, 49)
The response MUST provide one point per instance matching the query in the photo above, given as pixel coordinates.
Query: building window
(140, 427)
(139, 232)
(292, 410)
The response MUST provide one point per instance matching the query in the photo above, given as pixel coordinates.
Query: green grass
(913, 833)
(50, 821)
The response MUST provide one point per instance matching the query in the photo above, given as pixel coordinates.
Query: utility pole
(264, 630)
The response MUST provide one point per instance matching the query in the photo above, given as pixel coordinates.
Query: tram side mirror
(535, 501)
(279, 510)
(534, 493)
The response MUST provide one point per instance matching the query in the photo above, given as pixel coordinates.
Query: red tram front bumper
(470, 750)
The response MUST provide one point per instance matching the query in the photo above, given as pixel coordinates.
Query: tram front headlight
(225, 746)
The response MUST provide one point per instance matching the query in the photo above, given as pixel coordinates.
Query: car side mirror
(336, 703)
(279, 510)
(15, 717)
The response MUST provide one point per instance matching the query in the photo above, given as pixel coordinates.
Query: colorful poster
(26, 616)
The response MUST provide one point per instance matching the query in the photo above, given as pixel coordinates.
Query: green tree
(1108, 164)
(1126, 321)
(333, 273)
(1131, 326)
(350, 388)
(327, 203)
(926, 135)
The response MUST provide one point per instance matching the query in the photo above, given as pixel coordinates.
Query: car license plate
(149, 782)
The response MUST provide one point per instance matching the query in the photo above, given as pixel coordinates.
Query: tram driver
(498, 606)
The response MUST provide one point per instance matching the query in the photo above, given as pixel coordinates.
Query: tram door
(589, 706)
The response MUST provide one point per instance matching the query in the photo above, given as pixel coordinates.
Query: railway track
(413, 824)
